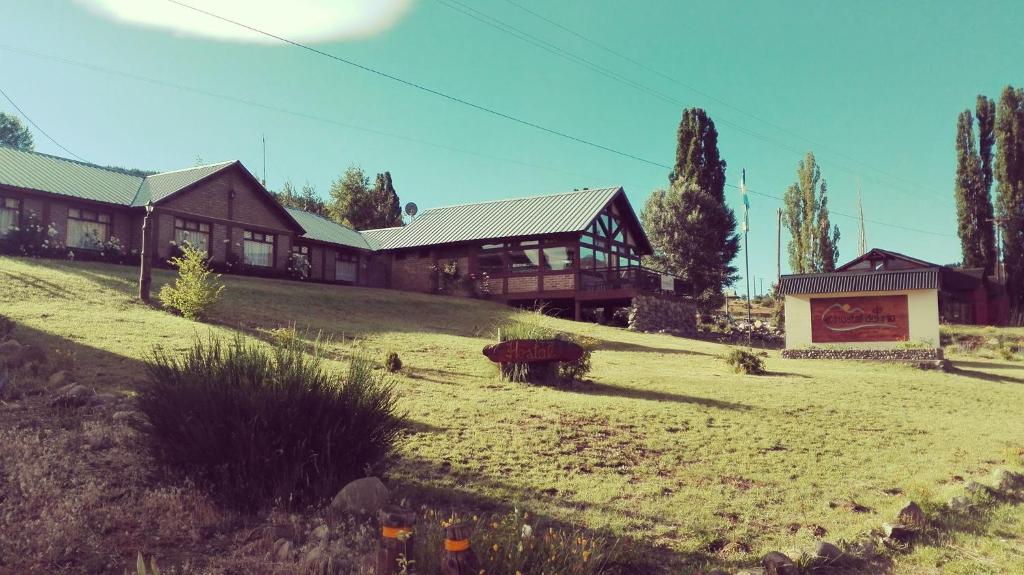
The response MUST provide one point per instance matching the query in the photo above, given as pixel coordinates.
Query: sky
(873, 88)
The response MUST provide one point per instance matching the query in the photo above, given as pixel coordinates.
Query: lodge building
(574, 251)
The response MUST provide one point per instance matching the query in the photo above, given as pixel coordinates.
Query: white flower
(527, 530)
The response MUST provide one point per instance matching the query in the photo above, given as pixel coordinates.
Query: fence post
(395, 539)
(458, 558)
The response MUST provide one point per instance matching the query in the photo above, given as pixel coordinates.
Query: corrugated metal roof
(533, 216)
(842, 282)
(322, 229)
(36, 171)
(158, 186)
(375, 238)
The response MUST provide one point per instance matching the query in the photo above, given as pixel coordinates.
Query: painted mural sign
(533, 350)
(860, 319)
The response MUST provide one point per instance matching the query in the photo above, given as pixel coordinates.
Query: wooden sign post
(458, 558)
(396, 542)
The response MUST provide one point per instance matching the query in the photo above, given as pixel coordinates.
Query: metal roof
(375, 238)
(322, 229)
(842, 282)
(158, 186)
(35, 171)
(875, 253)
(521, 217)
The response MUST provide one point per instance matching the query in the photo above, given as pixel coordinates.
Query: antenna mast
(862, 244)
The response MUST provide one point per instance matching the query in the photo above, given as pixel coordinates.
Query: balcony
(629, 281)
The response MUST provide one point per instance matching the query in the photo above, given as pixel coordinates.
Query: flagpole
(746, 251)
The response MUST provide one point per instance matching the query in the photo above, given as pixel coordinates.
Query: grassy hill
(667, 446)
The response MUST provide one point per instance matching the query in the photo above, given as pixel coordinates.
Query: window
(87, 229)
(557, 258)
(258, 249)
(490, 263)
(524, 259)
(10, 214)
(345, 268)
(195, 234)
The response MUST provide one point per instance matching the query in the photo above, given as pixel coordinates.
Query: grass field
(666, 446)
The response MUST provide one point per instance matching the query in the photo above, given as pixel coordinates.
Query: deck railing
(638, 278)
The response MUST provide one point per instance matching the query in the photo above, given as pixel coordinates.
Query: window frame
(198, 230)
(100, 218)
(18, 210)
(264, 238)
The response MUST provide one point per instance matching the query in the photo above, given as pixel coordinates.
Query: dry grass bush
(261, 423)
(743, 361)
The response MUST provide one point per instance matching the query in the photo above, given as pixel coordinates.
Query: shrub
(33, 239)
(743, 361)
(550, 373)
(393, 363)
(197, 288)
(263, 423)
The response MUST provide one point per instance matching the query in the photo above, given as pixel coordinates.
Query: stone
(59, 379)
(1008, 481)
(321, 533)
(282, 549)
(717, 572)
(10, 347)
(959, 504)
(974, 489)
(366, 495)
(313, 554)
(75, 396)
(776, 563)
(911, 516)
(825, 552)
(901, 533)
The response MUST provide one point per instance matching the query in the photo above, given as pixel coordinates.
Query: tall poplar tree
(385, 199)
(1009, 173)
(973, 187)
(691, 228)
(813, 245)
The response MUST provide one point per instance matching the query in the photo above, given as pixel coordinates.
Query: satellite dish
(411, 209)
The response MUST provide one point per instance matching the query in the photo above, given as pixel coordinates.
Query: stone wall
(912, 354)
(659, 313)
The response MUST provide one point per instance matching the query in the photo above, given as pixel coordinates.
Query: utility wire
(36, 126)
(421, 87)
(700, 92)
(315, 118)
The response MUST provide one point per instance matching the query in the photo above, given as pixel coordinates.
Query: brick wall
(412, 273)
(54, 212)
(559, 282)
(522, 284)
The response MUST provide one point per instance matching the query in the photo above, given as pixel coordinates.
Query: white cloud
(300, 20)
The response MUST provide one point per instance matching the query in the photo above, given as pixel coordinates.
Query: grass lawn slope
(667, 446)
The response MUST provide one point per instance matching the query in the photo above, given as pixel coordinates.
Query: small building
(884, 299)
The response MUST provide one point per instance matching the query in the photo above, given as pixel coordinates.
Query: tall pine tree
(692, 230)
(355, 204)
(813, 245)
(388, 206)
(1009, 173)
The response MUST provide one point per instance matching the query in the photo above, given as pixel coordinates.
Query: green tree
(813, 245)
(973, 187)
(386, 203)
(349, 202)
(1009, 173)
(14, 134)
(692, 230)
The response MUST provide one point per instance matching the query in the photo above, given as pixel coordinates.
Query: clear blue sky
(872, 87)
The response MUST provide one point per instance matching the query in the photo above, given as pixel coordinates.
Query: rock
(367, 495)
(825, 552)
(75, 396)
(10, 347)
(321, 533)
(1008, 481)
(974, 489)
(103, 398)
(911, 516)
(901, 533)
(313, 554)
(959, 504)
(59, 379)
(282, 549)
(717, 572)
(776, 563)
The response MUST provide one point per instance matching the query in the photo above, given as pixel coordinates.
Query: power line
(421, 87)
(36, 126)
(700, 92)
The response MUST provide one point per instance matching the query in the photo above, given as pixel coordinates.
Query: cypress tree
(691, 228)
(985, 111)
(1009, 173)
(387, 205)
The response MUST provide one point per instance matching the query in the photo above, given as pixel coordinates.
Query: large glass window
(557, 258)
(87, 229)
(490, 263)
(345, 268)
(10, 214)
(524, 259)
(195, 234)
(258, 249)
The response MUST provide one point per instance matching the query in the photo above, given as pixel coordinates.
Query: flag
(746, 201)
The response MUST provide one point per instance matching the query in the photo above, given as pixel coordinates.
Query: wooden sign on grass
(533, 350)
